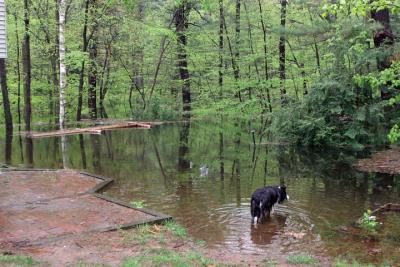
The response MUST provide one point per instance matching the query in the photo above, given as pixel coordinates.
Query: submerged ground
(203, 174)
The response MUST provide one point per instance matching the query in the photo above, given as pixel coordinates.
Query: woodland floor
(387, 161)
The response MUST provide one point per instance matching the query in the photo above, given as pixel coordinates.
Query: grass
(141, 235)
(137, 204)
(144, 233)
(176, 229)
(83, 263)
(301, 259)
(166, 257)
(16, 260)
(344, 263)
(269, 262)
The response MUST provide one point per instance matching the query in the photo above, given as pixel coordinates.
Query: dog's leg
(272, 210)
(255, 220)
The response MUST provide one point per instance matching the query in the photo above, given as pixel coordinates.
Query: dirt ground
(117, 248)
(387, 161)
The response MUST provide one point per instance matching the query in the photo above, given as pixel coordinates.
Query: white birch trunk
(63, 72)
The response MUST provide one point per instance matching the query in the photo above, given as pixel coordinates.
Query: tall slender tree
(27, 69)
(92, 48)
(237, 46)
(181, 26)
(4, 92)
(18, 67)
(264, 31)
(63, 71)
(282, 52)
(221, 46)
(85, 43)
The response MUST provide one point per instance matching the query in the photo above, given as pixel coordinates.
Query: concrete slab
(39, 206)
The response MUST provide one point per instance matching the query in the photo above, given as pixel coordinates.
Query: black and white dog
(264, 199)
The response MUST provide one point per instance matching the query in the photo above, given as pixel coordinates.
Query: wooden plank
(89, 130)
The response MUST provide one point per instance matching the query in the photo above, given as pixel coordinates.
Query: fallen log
(89, 130)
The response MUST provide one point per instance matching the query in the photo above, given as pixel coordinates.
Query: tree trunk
(82, 71)
(183, 161)
(317, 57)
(282, 53)
(221, 47)
(104, 81)
(237, 34)
(55, 63)
(233, 59)
(63, 72)
(92, 79)
(4, 92)
(237, 46)
(17, 48)
(26, 57)
(138, 59)
(181, 24)
(264, 29)
(382, 37)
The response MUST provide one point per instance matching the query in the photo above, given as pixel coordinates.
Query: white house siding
(3, 38)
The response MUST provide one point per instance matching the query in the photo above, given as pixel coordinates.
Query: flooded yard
(203, 175)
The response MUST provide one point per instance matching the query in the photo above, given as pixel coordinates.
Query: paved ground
(38, 207)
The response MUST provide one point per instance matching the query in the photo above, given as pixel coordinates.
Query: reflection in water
(236, 162)
(96, 154)
(83, 151)
(221, 155)
(183, 162)
(263, 234)
(29, 152)
(8, 145)
(64, 152)
(215, 208)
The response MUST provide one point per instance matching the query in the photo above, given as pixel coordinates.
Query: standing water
(203, 175)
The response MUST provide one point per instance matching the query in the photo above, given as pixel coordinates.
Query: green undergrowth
(83, 263)
(167, 257)
(301, 259)
(17, 260)
(269, 262)
(137, 204)
(345, 263)
(176, 229)
(155, 241)
(160, 234)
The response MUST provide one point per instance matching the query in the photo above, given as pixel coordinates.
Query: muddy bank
(387, 161)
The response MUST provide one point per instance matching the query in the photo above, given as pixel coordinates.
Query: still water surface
(203, 174)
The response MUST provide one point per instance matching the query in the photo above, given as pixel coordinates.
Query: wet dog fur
(263, 201)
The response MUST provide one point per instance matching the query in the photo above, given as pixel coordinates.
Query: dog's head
(283, 195)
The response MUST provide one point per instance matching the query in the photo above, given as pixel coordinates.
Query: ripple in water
(288, 229)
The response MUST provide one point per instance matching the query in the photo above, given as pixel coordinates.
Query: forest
(318, 73)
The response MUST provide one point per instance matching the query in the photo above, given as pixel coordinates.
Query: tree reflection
(183, 162)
